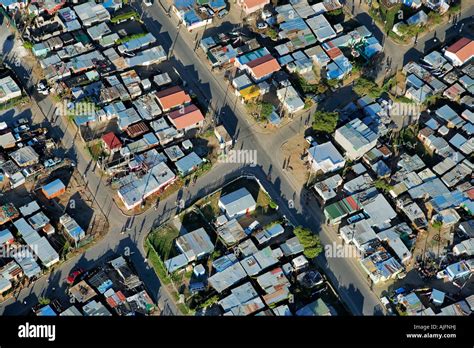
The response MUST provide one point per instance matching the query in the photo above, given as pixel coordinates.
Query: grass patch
(14, 102)
(129, 38)
(124, 17)
(157, 263)
(162, 239)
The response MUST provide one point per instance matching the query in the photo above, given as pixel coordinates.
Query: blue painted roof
(53, 187)
(46, 311)
(7, 3)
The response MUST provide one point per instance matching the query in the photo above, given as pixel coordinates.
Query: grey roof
(174, 153)
(431, 188)
(379, 211)
(228, 277)
(292, 246)
(94, 308)
(224, 262)
(359, 183)
(247, 247)
(359, 233)
(195, 244)
(29, 208)
(259, 261)
(137, 188)
(238, 296)
(71, 311)
(147, 57)
(268, 233)
(27, 262)
(328, 187)
(24, 156)
(237, 201)
(176, 263)
(357, 133)
(231, 232)
(188, 163)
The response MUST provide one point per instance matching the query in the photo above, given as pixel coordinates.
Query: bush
(266, 109)
(325, 121)
(28, 45)
(382, 185)
(125, 16)
(334, 13)
(129, 38)
(272, 34)
(311, 243)
(366, 87)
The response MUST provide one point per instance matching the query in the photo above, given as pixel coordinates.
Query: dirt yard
(291, 154)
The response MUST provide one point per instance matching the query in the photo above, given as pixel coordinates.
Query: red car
(73, 275)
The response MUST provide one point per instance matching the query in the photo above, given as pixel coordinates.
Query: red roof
(264, 66)
(172, 97)
(186, 117)
(334, 52)
(255, 3)
(137, 129)
(111, 141)
(463, 49)
(470, 193)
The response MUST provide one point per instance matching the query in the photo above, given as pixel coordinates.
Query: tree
(266, 110)
(437, 224)
(311, 243)
(381, 184)
(43, 301)
(272, 34)
(366, 87)
(325, 121)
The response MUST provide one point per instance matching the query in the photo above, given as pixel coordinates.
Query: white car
(21, 129)
(310, 140)
(262, 25)
(222, 13)
(210, 12)
(148, 3)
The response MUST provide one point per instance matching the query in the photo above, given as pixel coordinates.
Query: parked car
(43, 87)
(202, 9)
(355, 218)
(75, 274)
(211, 12)
(21, 129)
(252, 227)
(52, 162)
(310, 140)
(222, 13)
(20, 122)
(262, 25)
(148, 3)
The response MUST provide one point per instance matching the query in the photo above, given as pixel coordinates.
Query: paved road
(344, 273)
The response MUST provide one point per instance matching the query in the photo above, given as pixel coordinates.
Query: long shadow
(412, 54)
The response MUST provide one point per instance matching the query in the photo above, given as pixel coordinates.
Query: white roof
(326, 155)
